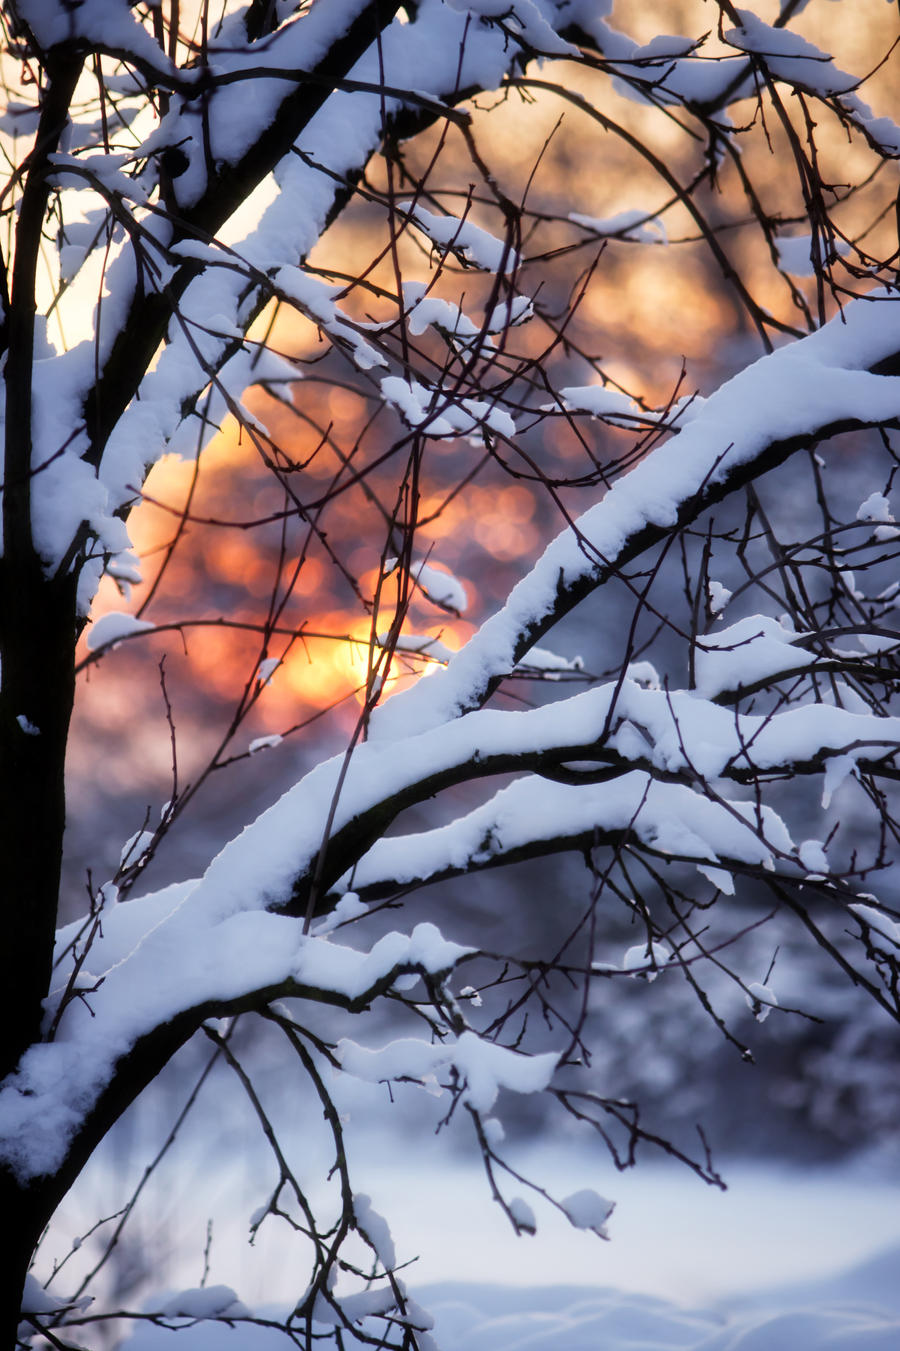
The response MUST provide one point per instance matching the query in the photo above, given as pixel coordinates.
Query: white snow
(604, 402)
(718, 595)
(587, 1209)
(376, 1229)
(484, 1066)
(795, 254)
(809, 384)
(267, 668)
(790, 56)
(38, 1300)
(761, 999)
(837, 770)
(875, 508)
(441, 587)
(477, 246)
(150, 963)
(754, 649)
(423, 311)
(211, 1301)
(348, 908)
(281, 228)
(882, 924)
(220, 938)
(646, 959)
(775, 1231)
(524, 17)
(264, 743)
(112, 627)
(440, 413)
(639, 227)
(523, 1215)
(550, 664)
(813, 857)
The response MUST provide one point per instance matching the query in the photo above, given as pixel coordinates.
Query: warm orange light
(318, 671)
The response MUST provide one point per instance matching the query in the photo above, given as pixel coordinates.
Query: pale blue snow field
(786, 1260)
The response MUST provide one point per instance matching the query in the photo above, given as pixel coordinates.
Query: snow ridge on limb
(612, 728)
(104, 25)
(216, 943)
(811, 388)
(534, 816)
(181, 966)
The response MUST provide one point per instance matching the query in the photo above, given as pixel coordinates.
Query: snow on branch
(808, 389)
(100, 25)
(140, 980)
(232, 155)
(484, 1067)
(178, 304)
(534, 816)
(216, 944)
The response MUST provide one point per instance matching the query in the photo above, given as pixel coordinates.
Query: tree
(182, 168)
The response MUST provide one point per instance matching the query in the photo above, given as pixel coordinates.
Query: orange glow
(318, 671)
(343, 405)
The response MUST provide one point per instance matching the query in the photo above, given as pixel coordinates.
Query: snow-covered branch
(786, 402)
(429, 408)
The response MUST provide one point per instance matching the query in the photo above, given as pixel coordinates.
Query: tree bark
(37, 642)
(23, 1221)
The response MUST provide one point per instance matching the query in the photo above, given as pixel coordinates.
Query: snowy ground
(470, 1318)
(786, 1260)
(670, 1236)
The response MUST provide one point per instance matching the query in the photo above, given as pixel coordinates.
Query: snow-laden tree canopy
(172, 172)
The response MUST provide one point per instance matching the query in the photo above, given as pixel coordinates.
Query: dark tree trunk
(37, 642)
(23, 1221)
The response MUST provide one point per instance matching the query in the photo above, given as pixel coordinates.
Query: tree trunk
(37, 640)
(23, 1221)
